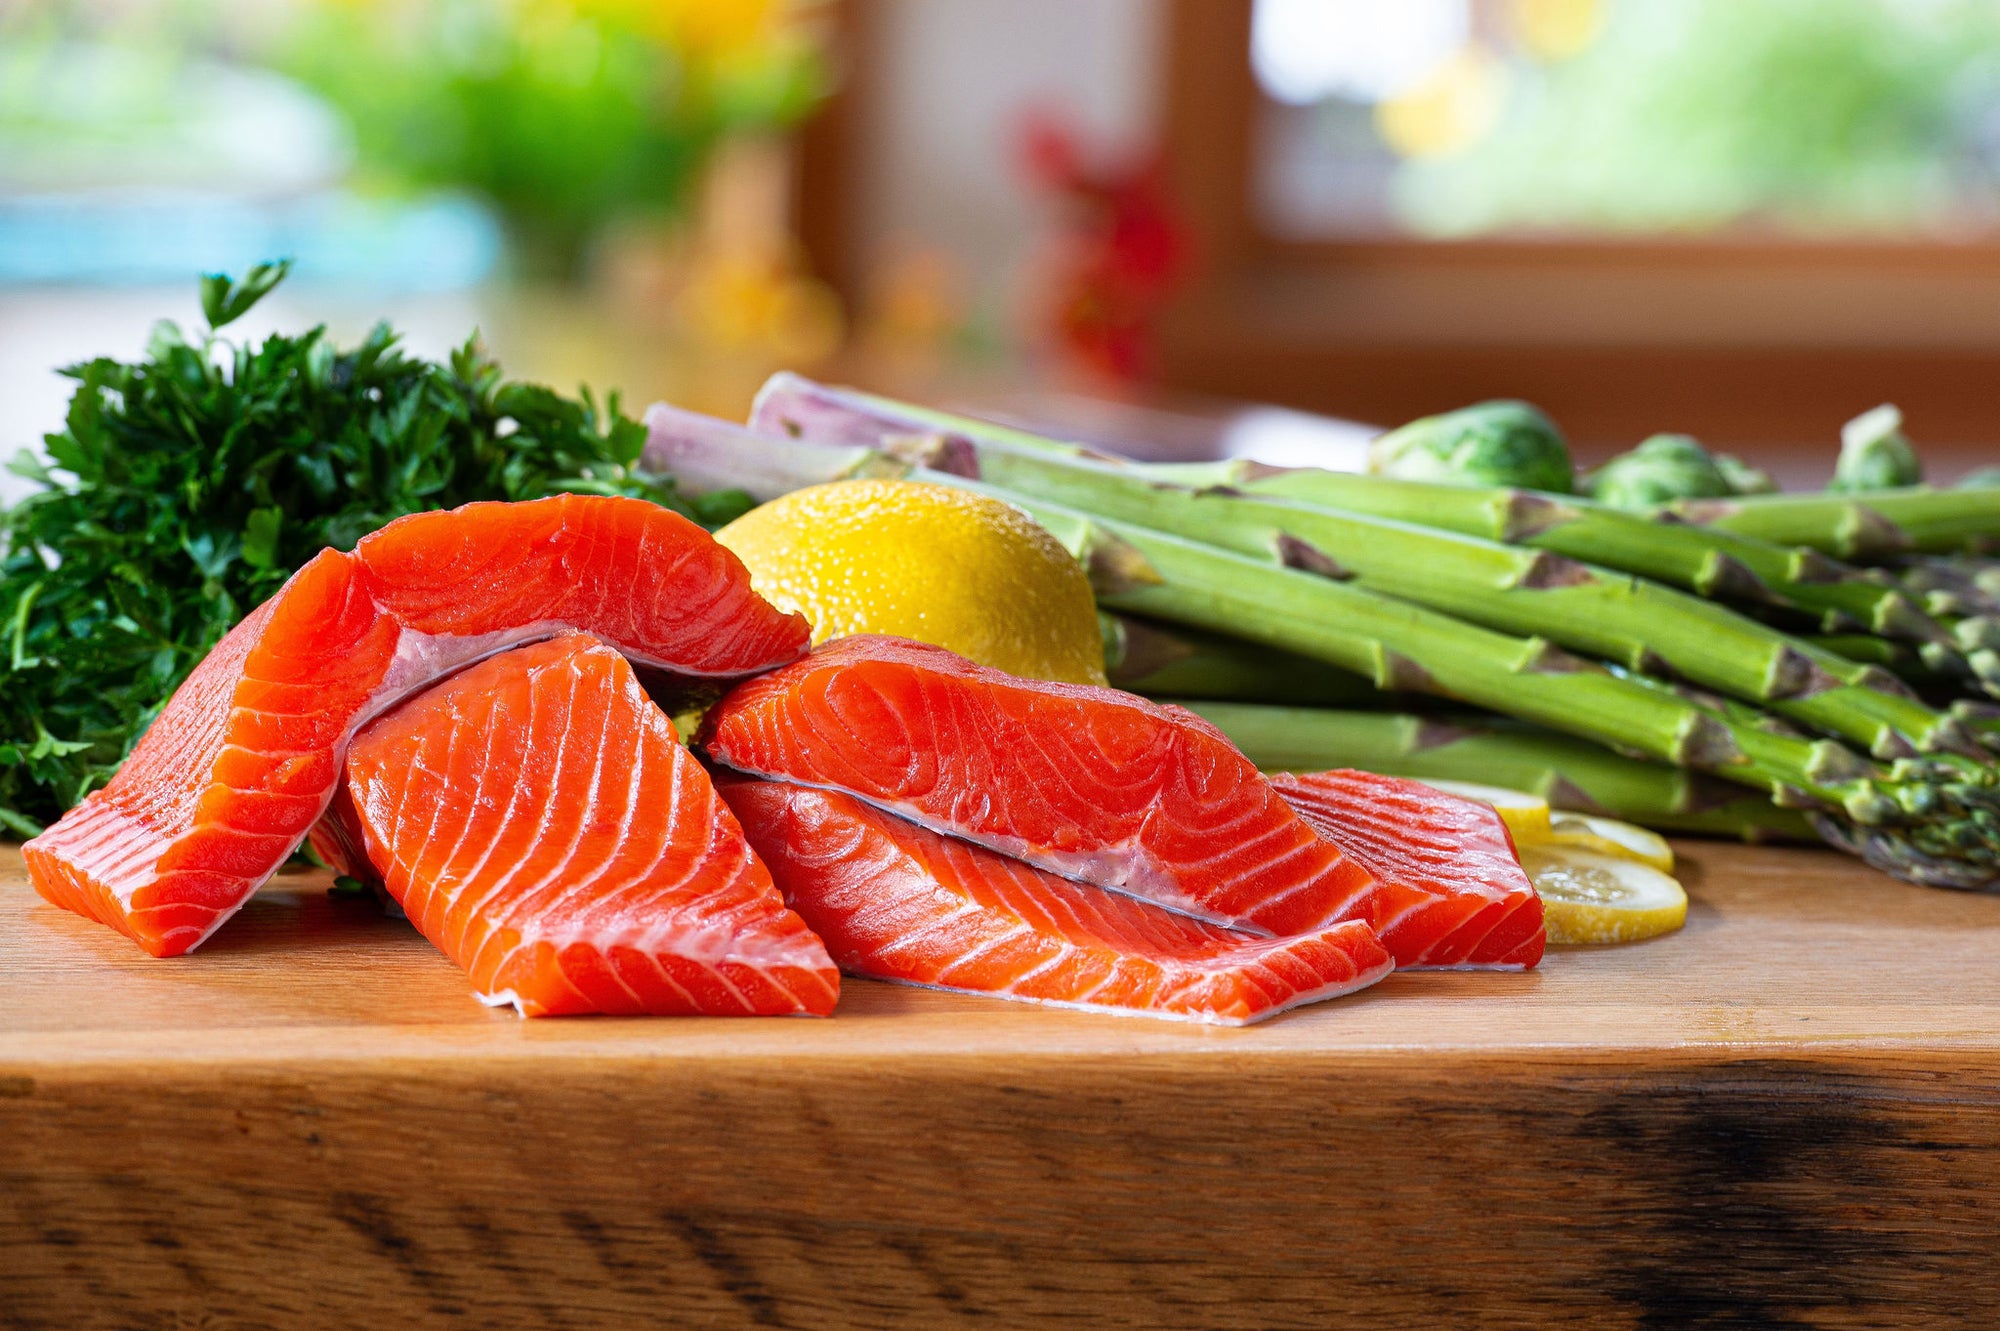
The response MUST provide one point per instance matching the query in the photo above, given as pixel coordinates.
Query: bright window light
(1305, 51)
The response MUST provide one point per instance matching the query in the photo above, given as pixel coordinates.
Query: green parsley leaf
(186, 486)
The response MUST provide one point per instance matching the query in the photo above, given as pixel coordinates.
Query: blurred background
(1123, 219)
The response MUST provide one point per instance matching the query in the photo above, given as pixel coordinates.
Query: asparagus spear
(1594, 610)
(1926, 820)
(1948, 615)
(1714, 564)
(1862, 527)
(1920, 669)
(1901, 659)
(1949, 585)
(1165, 660)
(1638, 623)
(1569, 773)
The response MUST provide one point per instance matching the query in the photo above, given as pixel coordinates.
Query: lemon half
(924, 561)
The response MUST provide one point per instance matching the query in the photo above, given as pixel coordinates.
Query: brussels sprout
(1743, 478)
(1664, 468)
(1875, 454)
(1488, 443)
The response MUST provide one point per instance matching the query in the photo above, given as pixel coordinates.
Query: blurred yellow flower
(1557, 29)
(1448, 110)
(705, 31)
(915, 303)
(744, 302)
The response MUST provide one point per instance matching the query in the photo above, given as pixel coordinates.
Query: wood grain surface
(1786, 1115)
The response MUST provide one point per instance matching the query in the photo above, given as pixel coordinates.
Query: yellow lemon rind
(1526, 815)
(1592, 898)
(1609, 836)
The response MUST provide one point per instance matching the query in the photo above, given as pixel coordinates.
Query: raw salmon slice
(1449, 889)
(893, 901)
(241, 762)
(1086, 782)
(538, 820)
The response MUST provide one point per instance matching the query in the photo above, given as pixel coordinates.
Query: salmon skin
(893, 901)
(1090, 783)
(244, 757)
(539, 821)
(1449, 888)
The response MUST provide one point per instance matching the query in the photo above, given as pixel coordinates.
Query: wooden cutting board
(1787, 1114)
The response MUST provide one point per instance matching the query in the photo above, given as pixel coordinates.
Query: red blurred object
(1118, 255)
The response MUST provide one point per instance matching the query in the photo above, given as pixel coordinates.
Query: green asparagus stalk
(1915, 667)
(1718, 565)
(1714, 564)
(1638, 623)
(1861, 527)
(1901, 659)
(1948, 584)
(1946, 611)
(1635, 622)
(1929, 821)
(1704, 643)
(1925, 820)
(1167, 660)
(1570, 773)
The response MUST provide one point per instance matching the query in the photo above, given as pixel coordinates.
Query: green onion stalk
(1923, 819)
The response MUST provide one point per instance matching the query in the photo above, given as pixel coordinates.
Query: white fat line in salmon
(1133, 872)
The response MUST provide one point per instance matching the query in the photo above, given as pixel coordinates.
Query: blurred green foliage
(564, 114)
(1831, 115)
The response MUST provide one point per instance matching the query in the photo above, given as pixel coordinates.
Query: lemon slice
(1588, 897)
(1611, 837)
(1526, 816)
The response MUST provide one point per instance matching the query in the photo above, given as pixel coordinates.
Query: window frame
(1771, 340)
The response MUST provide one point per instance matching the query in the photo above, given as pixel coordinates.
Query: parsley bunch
(186, 487)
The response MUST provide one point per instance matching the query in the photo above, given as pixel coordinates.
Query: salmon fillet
(893, 901)
(1449, 889)
(538, 820)
(243, 759)
(1090, 783)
